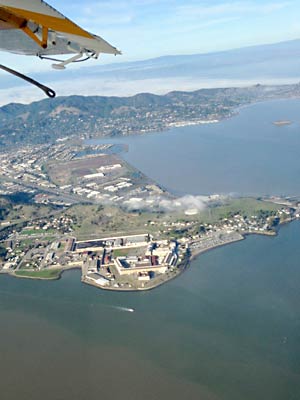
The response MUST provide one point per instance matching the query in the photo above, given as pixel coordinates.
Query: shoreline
(141, 289)
(180, 124)
(197, 247)
(195, 253)
(244, 236)
(39, 278)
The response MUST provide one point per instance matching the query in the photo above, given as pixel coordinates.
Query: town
(46, 246)
(77, 205)
(91, 117)
(64, 174)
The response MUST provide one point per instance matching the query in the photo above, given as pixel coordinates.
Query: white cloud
(112, 87)
(159, 203)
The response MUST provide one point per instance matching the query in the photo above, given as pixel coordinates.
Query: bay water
(226, 329)
(245, 155)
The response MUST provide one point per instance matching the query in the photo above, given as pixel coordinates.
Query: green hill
(46, 120)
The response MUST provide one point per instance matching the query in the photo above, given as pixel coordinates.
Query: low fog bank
(188, 204)
(113, 87)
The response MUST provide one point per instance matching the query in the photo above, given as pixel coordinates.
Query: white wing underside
(63, 36)
(15, 41)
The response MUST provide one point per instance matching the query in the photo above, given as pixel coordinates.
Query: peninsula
(82, 206)
(67, 203)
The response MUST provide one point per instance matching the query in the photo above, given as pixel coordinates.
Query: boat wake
(125, 309)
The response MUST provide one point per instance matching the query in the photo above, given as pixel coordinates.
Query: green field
(44, 274)
(243, 206)
(94, 221)
(121, 252)
(25, 212)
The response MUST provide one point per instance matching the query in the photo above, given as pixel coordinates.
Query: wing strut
(49, 92)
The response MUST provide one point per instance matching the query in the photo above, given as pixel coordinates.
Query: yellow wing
(33, 27)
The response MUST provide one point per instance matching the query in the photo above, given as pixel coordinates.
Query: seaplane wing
(33, 27)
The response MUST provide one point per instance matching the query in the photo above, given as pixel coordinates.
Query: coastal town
(78, 205)
(45, 247)
(93, 117)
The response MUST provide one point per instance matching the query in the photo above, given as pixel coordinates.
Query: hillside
(277, 63)
(49, 119)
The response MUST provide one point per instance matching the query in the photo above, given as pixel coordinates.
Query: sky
(145, 29)
(151, 28)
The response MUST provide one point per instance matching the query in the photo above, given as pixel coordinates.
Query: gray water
(227, 329)
(246, 154)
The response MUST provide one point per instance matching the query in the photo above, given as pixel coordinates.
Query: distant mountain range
(265, 64)
(280, 60)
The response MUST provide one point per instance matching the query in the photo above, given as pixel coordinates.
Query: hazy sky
(149, 28)
(144, 29)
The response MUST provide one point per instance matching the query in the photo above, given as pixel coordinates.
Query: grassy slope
(94, 222)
